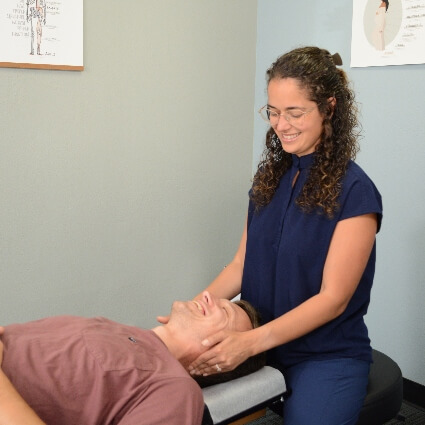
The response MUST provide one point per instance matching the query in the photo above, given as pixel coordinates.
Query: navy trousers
(326, 392)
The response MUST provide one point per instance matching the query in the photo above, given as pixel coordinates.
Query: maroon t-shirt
(80, 371)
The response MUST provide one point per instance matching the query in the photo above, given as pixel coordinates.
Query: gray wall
(124, 187)
(393, 153)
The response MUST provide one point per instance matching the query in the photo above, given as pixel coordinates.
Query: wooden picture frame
(41, 34)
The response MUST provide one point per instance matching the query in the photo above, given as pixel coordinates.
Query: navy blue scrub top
(285, 255)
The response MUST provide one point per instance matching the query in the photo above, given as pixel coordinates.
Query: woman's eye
(296, 114)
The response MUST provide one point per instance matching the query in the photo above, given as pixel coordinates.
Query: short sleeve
(251, 209)
(360, 196)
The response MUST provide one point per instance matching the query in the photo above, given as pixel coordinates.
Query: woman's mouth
(289, 137)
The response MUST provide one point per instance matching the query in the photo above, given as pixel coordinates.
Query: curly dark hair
(316, 73)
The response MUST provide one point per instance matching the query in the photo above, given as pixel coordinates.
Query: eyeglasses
(293, 116)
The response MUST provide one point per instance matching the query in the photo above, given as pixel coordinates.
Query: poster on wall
(45, 34)
(388, 32)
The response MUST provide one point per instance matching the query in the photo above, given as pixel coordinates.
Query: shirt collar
(302, 162)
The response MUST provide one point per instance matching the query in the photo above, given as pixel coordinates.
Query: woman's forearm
(303, 319)
(227, 284)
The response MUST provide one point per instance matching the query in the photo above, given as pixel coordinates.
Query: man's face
(208, 315)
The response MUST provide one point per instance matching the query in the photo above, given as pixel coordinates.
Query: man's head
(250, 365)
(206, 316)
(191, 322)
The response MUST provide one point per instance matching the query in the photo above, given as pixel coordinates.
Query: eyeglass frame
(284, 115)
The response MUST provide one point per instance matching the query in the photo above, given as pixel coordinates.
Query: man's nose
(208, 298)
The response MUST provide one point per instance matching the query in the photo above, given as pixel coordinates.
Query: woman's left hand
(227, 350)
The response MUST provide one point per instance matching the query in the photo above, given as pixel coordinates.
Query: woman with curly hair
(306, 260)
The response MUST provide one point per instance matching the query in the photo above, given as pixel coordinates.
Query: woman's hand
(163, 319)
(227, 350)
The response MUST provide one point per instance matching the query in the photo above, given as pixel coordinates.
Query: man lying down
(70, 370)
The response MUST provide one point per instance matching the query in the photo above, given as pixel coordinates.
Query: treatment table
(243, 399)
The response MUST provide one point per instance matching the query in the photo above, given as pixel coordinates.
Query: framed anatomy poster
(388, 32)
(44, 34)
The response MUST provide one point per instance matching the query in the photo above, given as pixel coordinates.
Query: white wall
(392, 153)
(124, 187)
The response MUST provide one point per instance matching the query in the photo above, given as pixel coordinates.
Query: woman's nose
(283, 124)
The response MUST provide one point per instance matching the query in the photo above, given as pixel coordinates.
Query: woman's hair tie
(336, 58)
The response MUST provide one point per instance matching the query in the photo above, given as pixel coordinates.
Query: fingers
(214, 339)
(209, 367)
(209, 370)
(1, 330)
(201, 362)
(212, 361)
(215, 364)
(206, 363)
(229, 350)
(163, 319)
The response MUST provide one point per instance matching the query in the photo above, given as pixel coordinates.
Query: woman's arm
(13, 408)
(348, 254)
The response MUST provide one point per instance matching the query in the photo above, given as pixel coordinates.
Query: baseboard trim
(414, 392)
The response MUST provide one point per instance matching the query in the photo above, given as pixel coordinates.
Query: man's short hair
(250, 365)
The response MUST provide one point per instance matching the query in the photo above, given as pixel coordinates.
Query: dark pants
(327, 392)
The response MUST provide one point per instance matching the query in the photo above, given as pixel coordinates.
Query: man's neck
(184, 351)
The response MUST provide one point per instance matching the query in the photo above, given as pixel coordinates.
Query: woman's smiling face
(299, 136)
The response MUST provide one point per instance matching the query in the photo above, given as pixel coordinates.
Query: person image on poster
(36, 13)
(379, 26)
